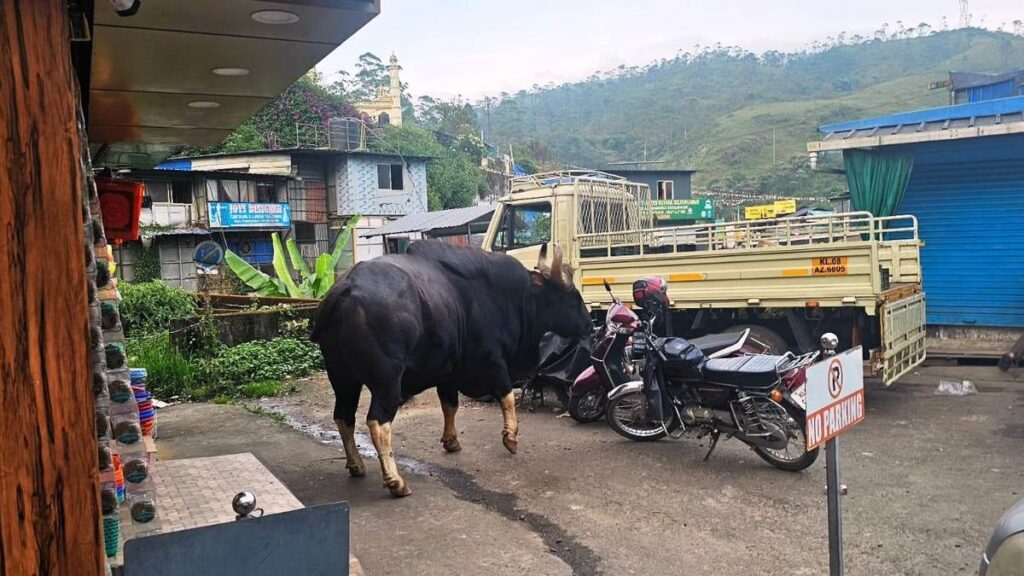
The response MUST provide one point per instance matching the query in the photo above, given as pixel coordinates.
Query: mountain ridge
(720, 111)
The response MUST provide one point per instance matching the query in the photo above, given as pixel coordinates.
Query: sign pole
(835, 509)
(835, 403)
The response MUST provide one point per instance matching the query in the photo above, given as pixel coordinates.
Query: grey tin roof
(427, 221)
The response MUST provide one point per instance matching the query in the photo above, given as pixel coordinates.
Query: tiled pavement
(196, 492)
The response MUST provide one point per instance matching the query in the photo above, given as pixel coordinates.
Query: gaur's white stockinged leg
(353, 459)
(381, 435)
(510, 430)
(450, 435)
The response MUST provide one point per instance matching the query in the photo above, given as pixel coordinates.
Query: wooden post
(49, 500)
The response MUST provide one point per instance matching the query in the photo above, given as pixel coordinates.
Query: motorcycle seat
(755, 371)
(713, 343)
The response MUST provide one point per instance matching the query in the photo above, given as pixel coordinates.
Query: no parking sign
(835, 396)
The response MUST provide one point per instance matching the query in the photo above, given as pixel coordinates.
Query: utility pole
(774, 156)
(965, 15)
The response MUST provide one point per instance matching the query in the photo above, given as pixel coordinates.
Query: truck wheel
(770, 339)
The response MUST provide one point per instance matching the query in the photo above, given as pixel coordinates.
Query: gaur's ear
(537, 279)
(567, 276)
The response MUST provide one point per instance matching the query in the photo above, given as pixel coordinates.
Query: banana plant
(314, 283)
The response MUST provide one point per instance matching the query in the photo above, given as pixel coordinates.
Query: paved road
(928, 477)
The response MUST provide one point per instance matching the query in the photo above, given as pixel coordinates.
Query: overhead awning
(188, 72)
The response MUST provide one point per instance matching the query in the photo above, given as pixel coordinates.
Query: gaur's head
(558, 302)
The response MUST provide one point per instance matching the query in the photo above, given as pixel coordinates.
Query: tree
(371, 73)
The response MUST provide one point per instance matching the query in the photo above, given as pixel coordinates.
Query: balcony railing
(167, 214)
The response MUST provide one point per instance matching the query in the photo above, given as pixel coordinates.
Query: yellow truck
(787, 279)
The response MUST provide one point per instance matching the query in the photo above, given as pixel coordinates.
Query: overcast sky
(478, 47)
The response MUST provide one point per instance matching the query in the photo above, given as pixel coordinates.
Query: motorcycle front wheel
(588, 407)
(795, 456)
(627, 415)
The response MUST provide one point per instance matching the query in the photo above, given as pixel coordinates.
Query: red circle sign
(835, 378)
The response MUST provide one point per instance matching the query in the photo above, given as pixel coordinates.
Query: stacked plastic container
(126, 486)
(147, 413)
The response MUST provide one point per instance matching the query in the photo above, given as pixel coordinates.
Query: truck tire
(774, 344)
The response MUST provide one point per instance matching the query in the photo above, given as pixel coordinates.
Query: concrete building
(327, 187)
(960, 170)
(181, 209)
(665, 184)
(386, 108)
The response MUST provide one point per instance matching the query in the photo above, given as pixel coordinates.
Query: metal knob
(244, 503)
(829, 343)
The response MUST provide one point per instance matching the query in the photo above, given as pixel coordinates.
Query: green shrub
(169, 372)
(261, 360)
(251, 370)
(261, 389)
(149, 307)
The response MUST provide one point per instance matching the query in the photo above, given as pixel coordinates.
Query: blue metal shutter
(971, 219)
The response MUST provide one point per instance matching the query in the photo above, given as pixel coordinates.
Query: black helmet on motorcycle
(651, 294)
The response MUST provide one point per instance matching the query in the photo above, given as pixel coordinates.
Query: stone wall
(234, 328)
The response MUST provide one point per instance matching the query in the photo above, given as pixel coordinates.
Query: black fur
(454, 317)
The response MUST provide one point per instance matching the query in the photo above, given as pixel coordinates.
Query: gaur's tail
(325, 316)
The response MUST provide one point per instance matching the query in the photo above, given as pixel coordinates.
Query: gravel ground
(928, 476)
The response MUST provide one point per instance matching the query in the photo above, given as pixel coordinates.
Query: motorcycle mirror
(607, 286)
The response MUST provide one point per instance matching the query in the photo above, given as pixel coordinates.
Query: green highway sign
(689, 209)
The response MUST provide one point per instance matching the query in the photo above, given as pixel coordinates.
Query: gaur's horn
(556, 267)
(542, 259)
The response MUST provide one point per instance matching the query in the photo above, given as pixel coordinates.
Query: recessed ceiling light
(230, 71)
(274, 17)
(203, 104)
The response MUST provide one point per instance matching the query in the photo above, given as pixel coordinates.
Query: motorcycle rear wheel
(625, 415)
(588, 407)
(799, 458)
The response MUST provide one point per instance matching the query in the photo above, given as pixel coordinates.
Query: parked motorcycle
(759, 399)
(561, 360)
(616, 351)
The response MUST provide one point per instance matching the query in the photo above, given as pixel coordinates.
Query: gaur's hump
(464, 261)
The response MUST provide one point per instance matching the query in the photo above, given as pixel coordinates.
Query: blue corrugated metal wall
(972, 222)
(1004, 89)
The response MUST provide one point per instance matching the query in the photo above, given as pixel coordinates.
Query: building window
(305, 232)
(390, 177)
(397, 245)
(157, 190)
(181, 192)
(384, 119)
(266, 192)
(666, 189)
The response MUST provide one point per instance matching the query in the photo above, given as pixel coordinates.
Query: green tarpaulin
(877, 179)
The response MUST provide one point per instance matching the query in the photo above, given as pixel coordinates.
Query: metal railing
(844, 228)
(554, 178)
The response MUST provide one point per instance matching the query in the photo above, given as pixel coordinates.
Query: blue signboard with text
(250, 215)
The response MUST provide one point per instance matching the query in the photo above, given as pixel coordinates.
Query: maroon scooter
(614, 354)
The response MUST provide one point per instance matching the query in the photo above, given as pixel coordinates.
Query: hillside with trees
(743, 119)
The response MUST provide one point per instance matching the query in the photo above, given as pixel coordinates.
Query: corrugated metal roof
(986, 118)
(961, 115)
(427, 221)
